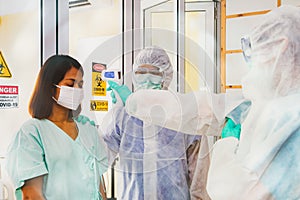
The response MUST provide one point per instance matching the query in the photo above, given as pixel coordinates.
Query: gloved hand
(231, 129)
(84, 119)
(122, 92)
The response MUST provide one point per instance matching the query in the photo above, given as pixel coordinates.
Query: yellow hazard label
(98, 85)
(99, 105)
(4, 71)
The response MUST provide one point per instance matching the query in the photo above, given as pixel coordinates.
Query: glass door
(199, 46)
(187, 30)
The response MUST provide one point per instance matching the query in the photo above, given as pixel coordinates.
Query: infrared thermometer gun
(113, 75)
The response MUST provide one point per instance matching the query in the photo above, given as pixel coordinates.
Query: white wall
(19, 39)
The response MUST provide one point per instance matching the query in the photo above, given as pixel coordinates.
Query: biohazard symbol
(98, 80)
(98, 85)
(4, 71)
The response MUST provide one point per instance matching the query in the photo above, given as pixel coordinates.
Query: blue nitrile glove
(122, 91)
(84, 119)
(231, 129)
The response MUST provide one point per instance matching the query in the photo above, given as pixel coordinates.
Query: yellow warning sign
(4, 71)
(98, 85)
(99, 105)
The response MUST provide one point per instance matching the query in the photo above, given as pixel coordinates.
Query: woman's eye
(80, 84)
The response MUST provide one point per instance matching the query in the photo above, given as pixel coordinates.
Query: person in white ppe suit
(264, 162)
(154, 161)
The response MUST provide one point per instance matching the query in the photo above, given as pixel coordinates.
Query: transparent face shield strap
(150, 162)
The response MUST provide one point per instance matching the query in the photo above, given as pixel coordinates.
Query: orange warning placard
(4, 71)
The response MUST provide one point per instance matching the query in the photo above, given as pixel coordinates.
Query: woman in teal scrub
(52, 156)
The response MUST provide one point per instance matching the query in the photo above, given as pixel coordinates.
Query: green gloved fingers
(84, 119)
(122, 91)
(113, 85)
(92, 123)
(231, 129)
(113, 97)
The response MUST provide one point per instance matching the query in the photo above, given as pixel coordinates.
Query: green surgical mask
(148, 85)
(147, 81)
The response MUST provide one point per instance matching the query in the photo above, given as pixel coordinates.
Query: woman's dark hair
(51, 73)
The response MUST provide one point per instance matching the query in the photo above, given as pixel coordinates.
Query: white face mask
(69, 97)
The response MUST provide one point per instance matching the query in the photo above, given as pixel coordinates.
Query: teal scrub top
(72, 168)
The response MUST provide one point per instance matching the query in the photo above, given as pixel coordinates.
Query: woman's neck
(60, 114)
